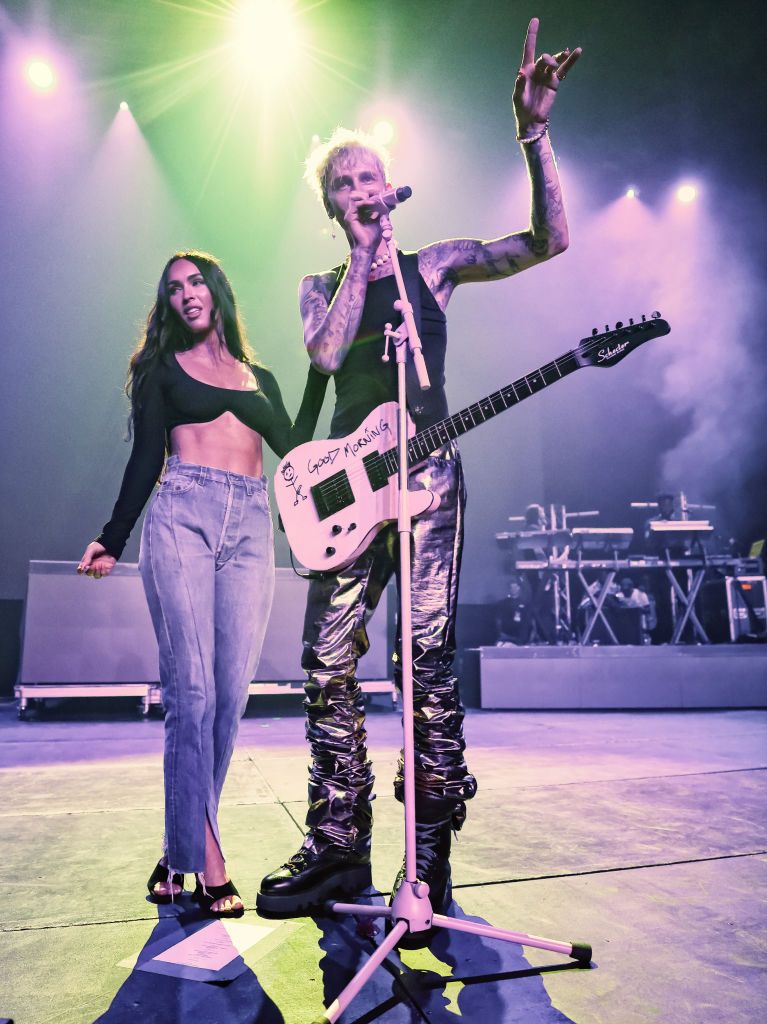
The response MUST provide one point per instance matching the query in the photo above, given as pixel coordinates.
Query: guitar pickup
(332, 494)
(375, 467)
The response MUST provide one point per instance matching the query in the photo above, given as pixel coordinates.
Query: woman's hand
(95, 561)
(537, 82)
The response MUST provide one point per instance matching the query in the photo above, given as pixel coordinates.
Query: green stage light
(268, 43)
(248, 79)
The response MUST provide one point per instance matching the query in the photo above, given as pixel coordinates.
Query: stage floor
(644, 834)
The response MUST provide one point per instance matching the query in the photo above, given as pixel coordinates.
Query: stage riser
(77, 631)
(592, 678)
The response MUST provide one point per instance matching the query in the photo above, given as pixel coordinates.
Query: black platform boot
(334, 859)
(436, 819)
(311, 877)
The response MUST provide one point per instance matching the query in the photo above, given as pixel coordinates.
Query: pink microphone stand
(411, 910)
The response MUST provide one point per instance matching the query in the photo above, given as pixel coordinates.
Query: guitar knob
(352, 526)
(607, 328)
(330, 551)
(594, 332)
(631, 320)
(619, 325)
(644, 318)
(336, 530)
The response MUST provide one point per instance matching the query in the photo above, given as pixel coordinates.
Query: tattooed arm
(456, 261)
(330, 327)
(444, 265)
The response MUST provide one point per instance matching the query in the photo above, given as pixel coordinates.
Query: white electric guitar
(335, 495)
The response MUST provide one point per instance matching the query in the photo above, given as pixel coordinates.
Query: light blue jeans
(207, 563)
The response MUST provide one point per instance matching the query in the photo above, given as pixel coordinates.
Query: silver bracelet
(534, 138)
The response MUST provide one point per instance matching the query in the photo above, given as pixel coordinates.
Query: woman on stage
(207, 560)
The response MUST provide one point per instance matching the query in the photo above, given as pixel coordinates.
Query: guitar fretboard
(433, 437)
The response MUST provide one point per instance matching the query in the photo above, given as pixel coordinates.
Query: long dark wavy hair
(165, 333)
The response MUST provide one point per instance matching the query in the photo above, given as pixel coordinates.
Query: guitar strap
(412, 279)
(317, 383)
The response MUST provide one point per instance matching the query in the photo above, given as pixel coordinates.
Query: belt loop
(202, 475)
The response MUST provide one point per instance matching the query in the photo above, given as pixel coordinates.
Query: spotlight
(40, 74)
(267, 41)
(124, 105)
(383, 132)
(686, 193)
(632, 193)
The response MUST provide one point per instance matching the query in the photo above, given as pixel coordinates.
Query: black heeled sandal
(160, 874)
(206, 895)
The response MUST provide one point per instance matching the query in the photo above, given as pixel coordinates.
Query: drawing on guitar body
(335, 495)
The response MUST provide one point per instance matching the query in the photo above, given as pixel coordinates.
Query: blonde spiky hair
(339, 146)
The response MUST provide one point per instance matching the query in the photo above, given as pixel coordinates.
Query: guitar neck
(428, 440)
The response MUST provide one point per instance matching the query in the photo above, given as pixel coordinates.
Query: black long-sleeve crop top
(170, 397)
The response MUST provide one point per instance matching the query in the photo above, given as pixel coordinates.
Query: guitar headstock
(611, 346)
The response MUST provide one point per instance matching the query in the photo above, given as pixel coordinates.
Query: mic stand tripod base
(411, 911)
(410, 906)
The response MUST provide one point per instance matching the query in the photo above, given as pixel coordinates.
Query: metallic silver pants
(338, 607)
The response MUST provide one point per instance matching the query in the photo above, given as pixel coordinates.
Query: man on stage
(344, 312)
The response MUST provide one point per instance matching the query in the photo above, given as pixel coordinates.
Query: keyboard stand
(597, 603)
(687, 603)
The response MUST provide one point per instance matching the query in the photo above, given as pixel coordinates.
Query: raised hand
(538, 81)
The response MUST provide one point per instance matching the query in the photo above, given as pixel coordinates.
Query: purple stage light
(40, 74)
(383, 132)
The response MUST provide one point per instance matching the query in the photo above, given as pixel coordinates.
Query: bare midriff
(224, 443)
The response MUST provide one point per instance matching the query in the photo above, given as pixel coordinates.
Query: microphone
(385, 202)
(395, 196)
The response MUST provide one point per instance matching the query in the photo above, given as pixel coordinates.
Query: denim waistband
(175, 467)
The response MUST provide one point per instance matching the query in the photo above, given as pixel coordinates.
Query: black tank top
(363, 381)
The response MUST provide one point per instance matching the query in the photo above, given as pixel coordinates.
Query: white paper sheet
(215, 946)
